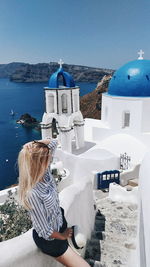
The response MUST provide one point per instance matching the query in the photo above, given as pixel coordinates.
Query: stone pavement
(114, 237)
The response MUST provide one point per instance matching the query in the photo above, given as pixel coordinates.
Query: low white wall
(83, 165)
(132, 173)
(144, 213)
(79, 210)
(77, 200)
(120, 194)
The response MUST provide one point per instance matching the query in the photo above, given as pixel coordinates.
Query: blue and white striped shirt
(46, 213)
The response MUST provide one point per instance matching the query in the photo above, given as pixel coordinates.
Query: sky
(97, 33)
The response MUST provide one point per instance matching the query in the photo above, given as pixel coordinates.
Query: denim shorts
(55, 247)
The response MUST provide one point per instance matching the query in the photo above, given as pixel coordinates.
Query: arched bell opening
(50, 105)
(54, 128)
(64, 103)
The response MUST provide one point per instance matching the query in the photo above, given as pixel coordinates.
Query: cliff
(90, 104)
(42, 71)
(6, 70)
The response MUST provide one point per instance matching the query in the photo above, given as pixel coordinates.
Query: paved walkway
(114, 237)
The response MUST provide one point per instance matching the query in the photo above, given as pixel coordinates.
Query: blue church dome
(66, 77)
(132, 79)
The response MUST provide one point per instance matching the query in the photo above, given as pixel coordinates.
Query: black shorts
(54, 248)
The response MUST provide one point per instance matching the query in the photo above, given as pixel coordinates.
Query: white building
(126, 106)
(63, 116)
(125, 124)
(144, 214)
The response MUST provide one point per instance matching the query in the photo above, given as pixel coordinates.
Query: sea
(20, 98)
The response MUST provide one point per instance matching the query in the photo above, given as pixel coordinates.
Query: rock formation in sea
(28, 121)
(90, 104)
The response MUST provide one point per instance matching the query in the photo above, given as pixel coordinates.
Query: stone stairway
(113, 239)
(93, 251)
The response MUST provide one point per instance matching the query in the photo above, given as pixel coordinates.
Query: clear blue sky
(100, 33)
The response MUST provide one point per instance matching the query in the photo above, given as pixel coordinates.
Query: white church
(90, 146)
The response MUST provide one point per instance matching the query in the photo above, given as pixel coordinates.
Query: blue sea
(21, 98)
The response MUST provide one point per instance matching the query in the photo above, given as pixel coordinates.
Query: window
(64, 103)
(126, 119)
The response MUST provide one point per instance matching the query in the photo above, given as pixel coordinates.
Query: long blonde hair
(33, 161)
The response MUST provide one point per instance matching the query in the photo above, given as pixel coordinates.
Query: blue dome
(67, 79)
(132, 79)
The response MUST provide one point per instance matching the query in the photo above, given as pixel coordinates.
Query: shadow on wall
(87, 146)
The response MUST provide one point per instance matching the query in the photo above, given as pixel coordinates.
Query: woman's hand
(62, 236)
(67, 233)
(28, 145)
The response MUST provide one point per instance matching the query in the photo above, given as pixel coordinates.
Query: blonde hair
(33, 160)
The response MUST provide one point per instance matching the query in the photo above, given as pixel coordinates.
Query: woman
(38, 194)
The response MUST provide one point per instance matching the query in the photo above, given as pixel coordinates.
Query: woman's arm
(45, 141)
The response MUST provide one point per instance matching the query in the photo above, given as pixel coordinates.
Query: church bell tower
(63, 118)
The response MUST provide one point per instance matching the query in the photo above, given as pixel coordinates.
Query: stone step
(114, 236)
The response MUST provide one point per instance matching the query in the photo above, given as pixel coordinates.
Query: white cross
(141, 53)
(60, 62)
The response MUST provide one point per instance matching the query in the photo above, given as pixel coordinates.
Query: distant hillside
(90, 104)
(41, 72)
(6, 70)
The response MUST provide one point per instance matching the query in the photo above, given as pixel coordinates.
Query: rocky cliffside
(90, 104)
(42, 71)
(6, 70)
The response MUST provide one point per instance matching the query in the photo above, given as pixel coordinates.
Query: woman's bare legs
(72, 259)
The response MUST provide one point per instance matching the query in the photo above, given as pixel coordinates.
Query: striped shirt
(45, 214)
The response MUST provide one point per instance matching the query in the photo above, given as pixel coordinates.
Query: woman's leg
(72, 259)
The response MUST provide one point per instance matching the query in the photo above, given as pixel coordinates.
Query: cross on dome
(141, 53)
(60, 62)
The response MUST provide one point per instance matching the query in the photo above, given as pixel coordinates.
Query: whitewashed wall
(116, 141)
(145, 114)
(77, 200)
(121, 194)
(115, 108)
(139, 108)
(144, 213)
(81, 167)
